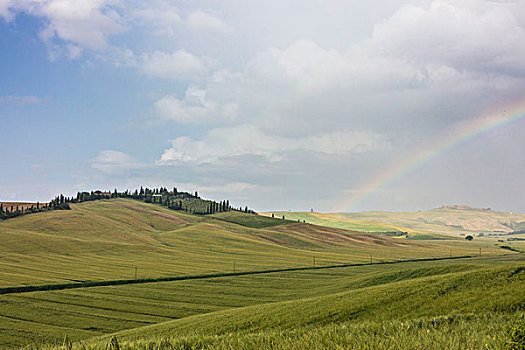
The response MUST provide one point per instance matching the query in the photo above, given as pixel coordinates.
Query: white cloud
(162, 16)
(5, 11)
(178, 65)
(166, 19)
(227, 188)
(249, 140)
(82, 23)
(486, 39)
(203, 21)
(194, 108)
(111, 162)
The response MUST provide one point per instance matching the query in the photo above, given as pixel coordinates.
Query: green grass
(492, 290)
(331, 220)
(105, 240)
(87, 312)
(445, 332)
(462, 308)
(446, 220)
(249, 220)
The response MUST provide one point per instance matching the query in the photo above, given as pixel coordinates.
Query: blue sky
(275, 105)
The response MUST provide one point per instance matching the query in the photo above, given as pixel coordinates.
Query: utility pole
(370, 258)
(479, 251)
(233, 266)
(314, 261)
(135, 272)
(450, 253)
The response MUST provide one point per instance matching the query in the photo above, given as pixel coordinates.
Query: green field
(84, 313)
(447, 220)
(106, 240)
(321, 308)
(336, 221)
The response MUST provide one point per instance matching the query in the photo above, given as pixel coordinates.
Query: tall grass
(469, 331)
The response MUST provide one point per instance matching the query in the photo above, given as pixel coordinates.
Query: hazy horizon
(335, 106)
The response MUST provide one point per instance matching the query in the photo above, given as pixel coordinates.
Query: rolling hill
(462, 308)
(114, 239)
(107, 239)
(452, 220)
(447, 220)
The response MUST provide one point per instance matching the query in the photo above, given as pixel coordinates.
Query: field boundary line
(88, 284)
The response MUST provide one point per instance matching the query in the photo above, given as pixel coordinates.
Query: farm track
(87, 284)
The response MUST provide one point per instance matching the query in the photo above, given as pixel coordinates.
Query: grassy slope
(486, 331)
(251, 220)
(336, 221)
(489, 292)
(49, 316)
(106, 239)
(446, 220)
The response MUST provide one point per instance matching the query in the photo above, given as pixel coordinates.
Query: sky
(277, 105)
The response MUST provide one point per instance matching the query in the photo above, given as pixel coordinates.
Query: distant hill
(450, 219)
(447, 220)
(106, 239)
(337, 221)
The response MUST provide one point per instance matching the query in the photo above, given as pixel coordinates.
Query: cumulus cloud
(249, 140)
(81, 24)
(203, 21)
(194, 108)
(178, 65)
(227, 188)
(112, 162)
(167, 19)
(421, 68)
(447, 34)
(163, 17)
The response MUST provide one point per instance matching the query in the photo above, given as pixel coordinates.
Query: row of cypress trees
(12, 211)
(174, 199)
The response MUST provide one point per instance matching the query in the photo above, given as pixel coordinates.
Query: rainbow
(460, 134)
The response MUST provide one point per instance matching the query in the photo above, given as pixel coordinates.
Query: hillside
(119, 238)
(107, 239)
(337, 221)
(447, 220)
(469, 298)
(452, 220)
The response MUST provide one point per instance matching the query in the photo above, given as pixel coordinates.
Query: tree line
(12, 211)
(171, 199)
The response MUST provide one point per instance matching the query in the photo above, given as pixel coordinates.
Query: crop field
(106, 240)
(118, 238)
(46, 317)
(333, 220)
(447, 220)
